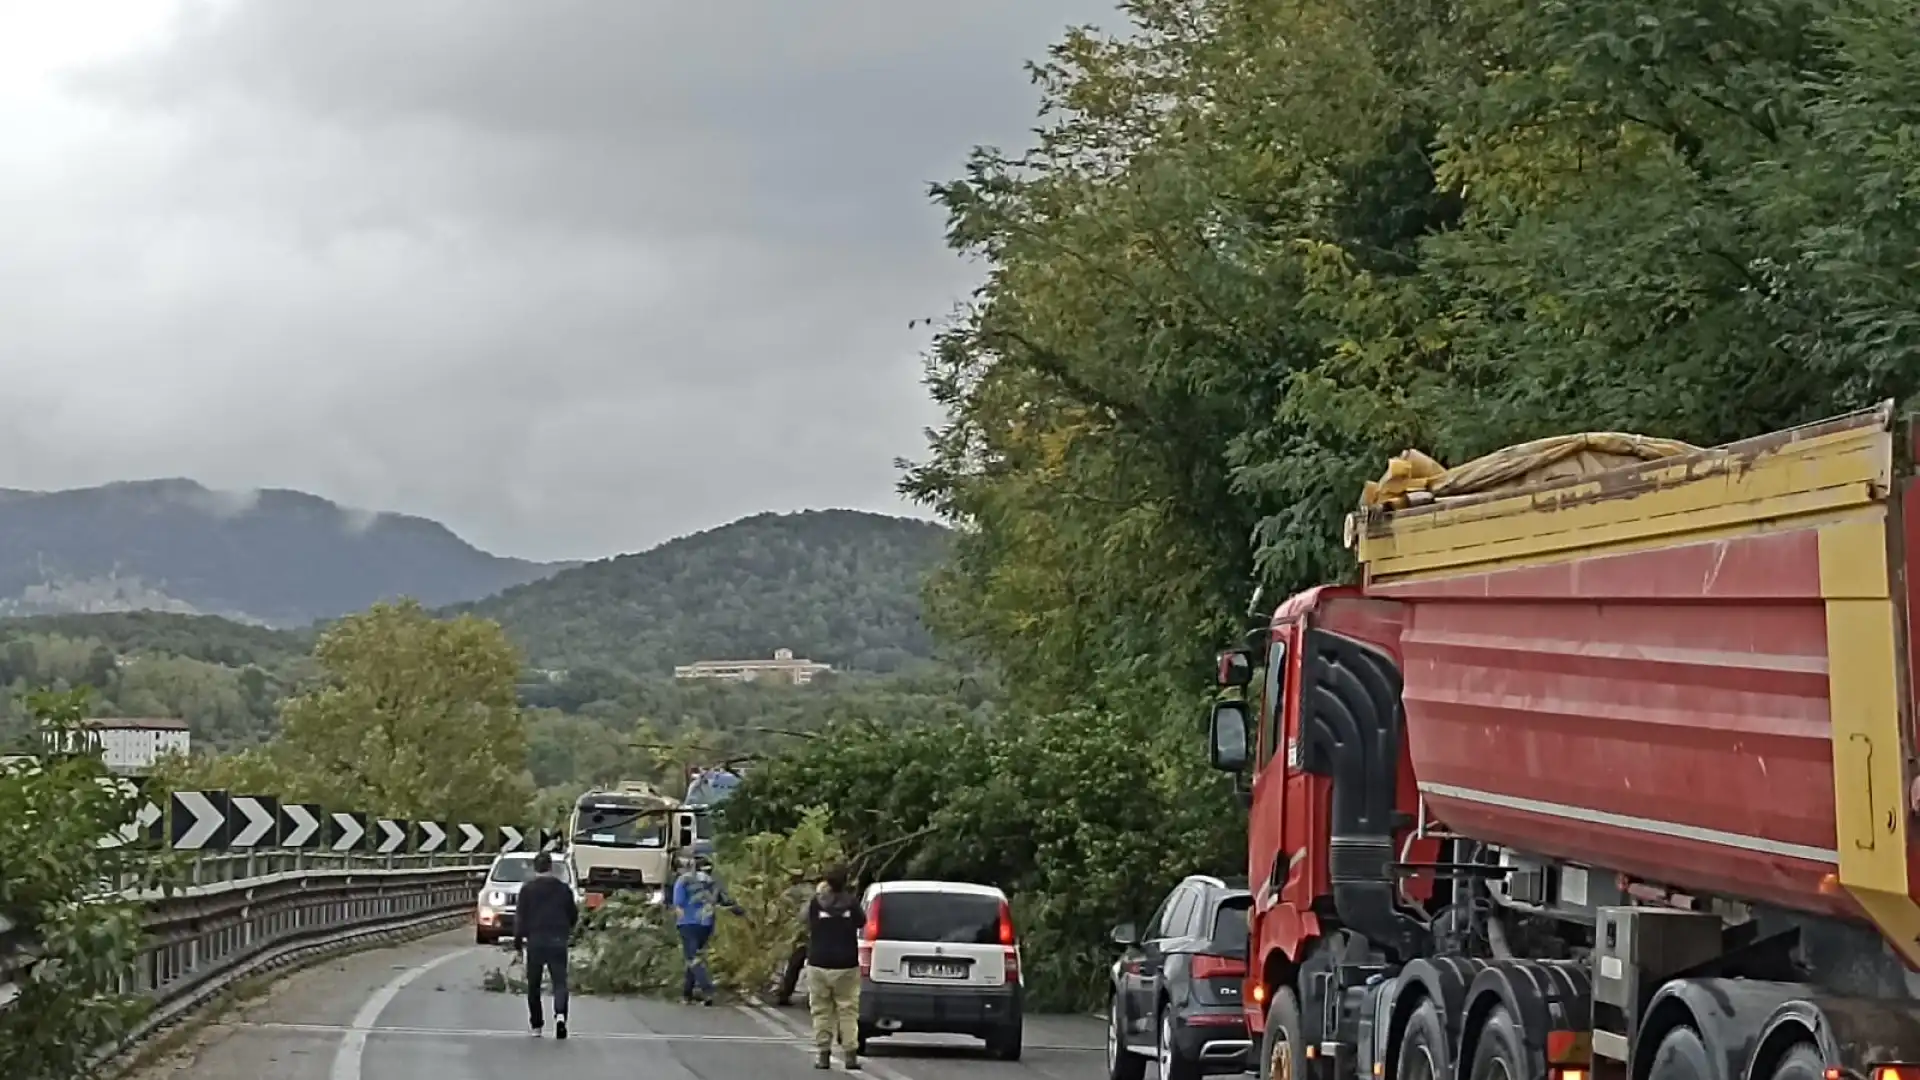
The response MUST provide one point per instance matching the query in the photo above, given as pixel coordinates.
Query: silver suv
(494, 907)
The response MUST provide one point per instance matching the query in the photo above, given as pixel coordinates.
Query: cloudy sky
(573, 276)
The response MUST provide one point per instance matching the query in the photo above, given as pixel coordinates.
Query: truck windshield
(620, 827)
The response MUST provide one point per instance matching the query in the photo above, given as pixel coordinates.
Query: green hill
(837, 586)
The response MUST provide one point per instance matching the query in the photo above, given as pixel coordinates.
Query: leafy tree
(416, 717)
(54, 810)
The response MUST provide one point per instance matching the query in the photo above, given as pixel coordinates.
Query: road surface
(421, 1010)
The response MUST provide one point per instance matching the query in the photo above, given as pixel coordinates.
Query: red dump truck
(1609, 773)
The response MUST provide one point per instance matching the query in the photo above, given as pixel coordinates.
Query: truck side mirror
(685, 828)
(1235, 668)
(1124, 935)
(1227, 736)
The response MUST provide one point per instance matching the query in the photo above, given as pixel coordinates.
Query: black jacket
(833, 931)
(545, 912)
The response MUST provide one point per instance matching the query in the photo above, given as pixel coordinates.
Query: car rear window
(1230, 927)
(953, 918)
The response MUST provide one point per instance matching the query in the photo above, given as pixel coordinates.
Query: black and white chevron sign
(472, 838)
(302, 825)
(253, 821)
(347, 832)
(511, 838)
(429, 837)
(392, 836)
(198, 820)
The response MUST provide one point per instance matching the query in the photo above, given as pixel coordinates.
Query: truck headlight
(497, 898)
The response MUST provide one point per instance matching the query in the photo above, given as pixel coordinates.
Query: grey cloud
(570, 276)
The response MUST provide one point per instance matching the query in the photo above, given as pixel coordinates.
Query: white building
(783, 666)
(132, 744)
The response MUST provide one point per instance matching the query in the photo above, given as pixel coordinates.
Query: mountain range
(274, 558)
(837, 586)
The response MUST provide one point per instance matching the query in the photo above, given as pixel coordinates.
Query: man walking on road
(834, 919)
(695, 893)
(542, 926)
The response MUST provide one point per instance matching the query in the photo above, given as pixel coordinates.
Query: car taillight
(1009, 946)
(869, 934)
(1213, 967)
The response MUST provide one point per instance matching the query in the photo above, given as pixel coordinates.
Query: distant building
(129, 745)
(783, 666)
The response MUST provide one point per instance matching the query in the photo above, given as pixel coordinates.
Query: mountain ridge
(269, 556)
(837, 586)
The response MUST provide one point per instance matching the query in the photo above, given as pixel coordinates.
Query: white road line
(497, 1033)
(346, 1061)
(803, 1039)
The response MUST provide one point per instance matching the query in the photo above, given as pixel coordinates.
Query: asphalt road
(422, 1010)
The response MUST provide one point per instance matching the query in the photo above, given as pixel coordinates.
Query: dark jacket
(833, 931)
(545, 912)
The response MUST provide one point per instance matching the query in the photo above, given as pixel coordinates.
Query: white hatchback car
(941, 957)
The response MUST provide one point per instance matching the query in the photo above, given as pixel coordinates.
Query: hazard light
(1904, 1071)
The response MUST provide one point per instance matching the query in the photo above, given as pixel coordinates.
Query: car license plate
(936, 969)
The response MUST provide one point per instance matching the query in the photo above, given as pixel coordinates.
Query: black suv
(1176, 987)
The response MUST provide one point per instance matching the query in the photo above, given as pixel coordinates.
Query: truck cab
(628, 838)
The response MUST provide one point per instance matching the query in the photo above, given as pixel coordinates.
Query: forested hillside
(837, 586)
(283, 558)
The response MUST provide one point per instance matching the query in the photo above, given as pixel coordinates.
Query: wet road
(422, 1010)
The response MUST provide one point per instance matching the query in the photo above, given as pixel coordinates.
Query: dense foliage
(836, 586)
(413, 717)
(225, 678)
(1256, 249)
(53, 813)
(279, 557)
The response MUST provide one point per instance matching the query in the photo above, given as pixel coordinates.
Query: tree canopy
(414, 716)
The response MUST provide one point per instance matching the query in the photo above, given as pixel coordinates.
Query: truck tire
(1283, 1050)
(1122, 1063)
(1423, 1045)
(1681, 1056)
(1801, 1062)
(1500, 1053)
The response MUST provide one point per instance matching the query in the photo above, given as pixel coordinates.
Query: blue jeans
(693, 939)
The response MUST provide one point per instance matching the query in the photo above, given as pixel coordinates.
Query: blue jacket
(695, 895)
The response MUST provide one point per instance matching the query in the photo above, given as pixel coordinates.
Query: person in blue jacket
(696, 895)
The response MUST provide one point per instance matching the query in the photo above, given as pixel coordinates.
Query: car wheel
(1172, 1065)
(1005, 1043)
(1122, 1063)
(481, 937)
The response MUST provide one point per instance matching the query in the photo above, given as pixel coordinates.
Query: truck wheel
(1681, 1056)
(1283, 1051)
(1122, 1063)
(1423, 1045)
(1500, 1053)
(1172, 1065)
(1802, 1062)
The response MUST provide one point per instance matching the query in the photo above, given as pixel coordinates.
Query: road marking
(353, 1044)
(802, 1038)
(575, 1034)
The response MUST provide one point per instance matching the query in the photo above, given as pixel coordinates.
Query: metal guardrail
(241, 914)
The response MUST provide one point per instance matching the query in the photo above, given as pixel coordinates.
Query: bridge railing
(251, 896)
